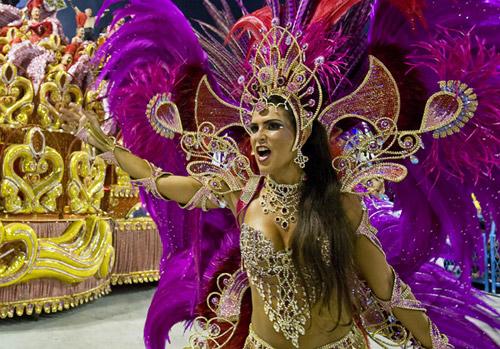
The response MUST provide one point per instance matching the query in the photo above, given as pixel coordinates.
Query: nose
(260, 136)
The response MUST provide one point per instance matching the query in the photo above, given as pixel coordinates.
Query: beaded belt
(353, 340)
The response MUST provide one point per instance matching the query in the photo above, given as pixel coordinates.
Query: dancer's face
(272, 134)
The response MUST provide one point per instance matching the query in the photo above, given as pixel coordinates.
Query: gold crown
(279, 69)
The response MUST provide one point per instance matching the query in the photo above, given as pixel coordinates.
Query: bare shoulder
(352, 208)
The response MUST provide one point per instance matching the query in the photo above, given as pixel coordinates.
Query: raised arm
(394, 295)
(76, 9)
(189, 192)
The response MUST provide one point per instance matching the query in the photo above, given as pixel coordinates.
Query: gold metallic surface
(135, 277)
(54, 95)
(93, 101)
(52, 255)
(52, 304)
(82, 251)
(52, 43)
(32, 176)
(16, 96)
(86, 182)
(137, 224)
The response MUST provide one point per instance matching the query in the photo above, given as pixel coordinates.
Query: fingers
(73, 117)
(71, 113)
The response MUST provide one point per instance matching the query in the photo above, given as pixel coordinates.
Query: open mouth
(263, 153)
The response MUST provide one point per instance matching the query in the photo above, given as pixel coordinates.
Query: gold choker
(282, 200)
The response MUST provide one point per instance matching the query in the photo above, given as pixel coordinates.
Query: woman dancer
(311, 257)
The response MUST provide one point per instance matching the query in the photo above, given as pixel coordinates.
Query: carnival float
(70, 225)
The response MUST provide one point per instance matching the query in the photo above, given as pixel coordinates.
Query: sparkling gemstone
(264, 76)
(260, 106)
(319, 60)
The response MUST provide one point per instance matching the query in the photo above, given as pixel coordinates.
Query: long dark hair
(322, 223)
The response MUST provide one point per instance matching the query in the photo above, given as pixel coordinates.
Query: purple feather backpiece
(444, 224)
(157, 51)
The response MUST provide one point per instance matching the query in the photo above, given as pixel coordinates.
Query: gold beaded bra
(273, 275)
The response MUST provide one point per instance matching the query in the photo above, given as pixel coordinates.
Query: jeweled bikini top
(277, 282)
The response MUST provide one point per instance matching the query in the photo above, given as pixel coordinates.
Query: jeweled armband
(439, 340)
(109, 156)
(201, 199)
(150, 183)
(401, 297)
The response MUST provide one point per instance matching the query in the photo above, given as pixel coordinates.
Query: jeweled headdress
(278, 69)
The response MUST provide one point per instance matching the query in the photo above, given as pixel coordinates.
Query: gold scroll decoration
(225, 304)
(93, 101)
(52, 43)
(32, 176)
(84, 250)
(5, 42)
(89, 49)
(56, 94)
(123, 187)
(16, 96)
(86, 182)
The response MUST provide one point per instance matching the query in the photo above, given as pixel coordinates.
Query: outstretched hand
(87, 126)
(73, 118)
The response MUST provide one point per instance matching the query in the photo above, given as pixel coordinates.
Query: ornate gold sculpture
(31, 177)
(83, 250)
(50, 260)
(53, 43)
(16, 96)
(6, 40)
(93, 101)
(86, 182)
(55, 94)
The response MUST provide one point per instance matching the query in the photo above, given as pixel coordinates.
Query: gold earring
(301, 159)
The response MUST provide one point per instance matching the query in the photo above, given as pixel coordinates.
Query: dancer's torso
(278, 297)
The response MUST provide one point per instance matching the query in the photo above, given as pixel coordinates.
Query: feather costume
(157, 61)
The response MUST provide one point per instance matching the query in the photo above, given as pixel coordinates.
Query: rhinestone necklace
(282, 200)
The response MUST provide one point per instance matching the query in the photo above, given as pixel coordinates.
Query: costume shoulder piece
(366, 156)
(214, 157)
(370, 154)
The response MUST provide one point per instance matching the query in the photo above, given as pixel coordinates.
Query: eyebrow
(268, 121)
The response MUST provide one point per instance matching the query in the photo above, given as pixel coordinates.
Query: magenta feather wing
(444, 225)
(153, 52)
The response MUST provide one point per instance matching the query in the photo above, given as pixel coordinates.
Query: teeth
(262, 148)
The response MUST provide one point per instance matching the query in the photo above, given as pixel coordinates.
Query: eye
(273, 126)
(253, 128)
